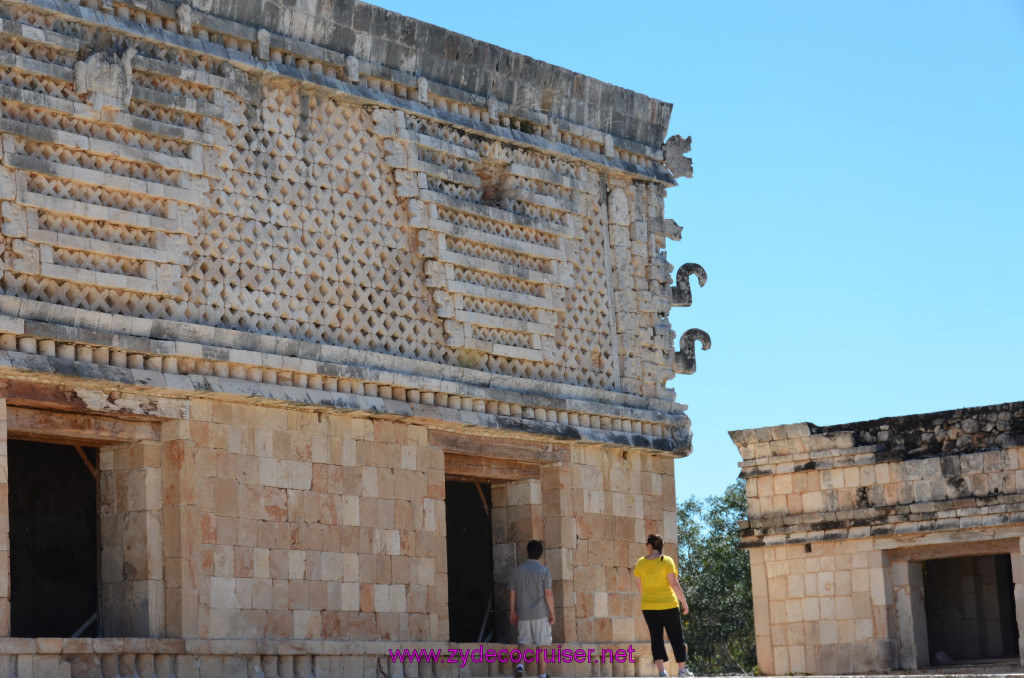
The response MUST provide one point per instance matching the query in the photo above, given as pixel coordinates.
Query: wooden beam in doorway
(41, 395)
(475, 468)
(956, 549)
(483, 499)
(496, 447)
(84, 429)
(88, 464)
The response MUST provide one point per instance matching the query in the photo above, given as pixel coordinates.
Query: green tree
(715, 575)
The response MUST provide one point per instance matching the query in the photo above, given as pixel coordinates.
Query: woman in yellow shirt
(661, 599)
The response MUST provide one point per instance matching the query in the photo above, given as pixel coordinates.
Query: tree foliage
(715, 575)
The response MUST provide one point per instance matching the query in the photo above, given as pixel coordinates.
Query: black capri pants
(660, 621)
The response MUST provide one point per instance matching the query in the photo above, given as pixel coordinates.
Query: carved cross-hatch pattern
(102, 167)
(300, 240)
(493, 228)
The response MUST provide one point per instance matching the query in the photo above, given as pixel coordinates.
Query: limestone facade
(280, 271)
(877, 545)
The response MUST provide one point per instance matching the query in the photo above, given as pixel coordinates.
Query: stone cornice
(607, 148)
(197, 358)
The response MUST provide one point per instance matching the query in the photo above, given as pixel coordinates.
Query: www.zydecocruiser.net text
(480, 655)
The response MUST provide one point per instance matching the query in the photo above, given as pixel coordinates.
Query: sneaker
(685, 673)
(663, 674)
(520, 670)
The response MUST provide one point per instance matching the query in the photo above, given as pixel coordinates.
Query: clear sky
(857, 200)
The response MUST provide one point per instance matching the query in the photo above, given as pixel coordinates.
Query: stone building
(879, 545)
(311, 316)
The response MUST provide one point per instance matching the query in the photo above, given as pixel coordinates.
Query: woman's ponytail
(657, 543)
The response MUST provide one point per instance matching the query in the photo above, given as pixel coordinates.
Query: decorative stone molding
(186, 360)
(184, 15)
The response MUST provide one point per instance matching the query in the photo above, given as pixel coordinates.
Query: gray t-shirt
(529, 581)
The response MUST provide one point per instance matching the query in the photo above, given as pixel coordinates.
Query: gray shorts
(534, 632)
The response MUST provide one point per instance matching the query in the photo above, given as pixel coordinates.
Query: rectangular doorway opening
(53, 530)
(470, 561)
(970, 610)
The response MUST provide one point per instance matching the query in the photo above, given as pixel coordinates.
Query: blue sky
(857, 200)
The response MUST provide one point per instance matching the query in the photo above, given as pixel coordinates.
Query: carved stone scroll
(675, 159)
(685, 361)
(681, 295)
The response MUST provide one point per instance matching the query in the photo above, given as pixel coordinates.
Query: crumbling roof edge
(902, 421)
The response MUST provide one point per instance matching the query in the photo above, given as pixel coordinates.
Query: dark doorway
(52, 500)
(970, 609)
(470, 561)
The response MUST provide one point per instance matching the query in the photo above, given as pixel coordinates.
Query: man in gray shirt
(532, 608)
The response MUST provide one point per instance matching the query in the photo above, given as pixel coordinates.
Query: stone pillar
(882, 650)
(990, 640)
(762, 620)
(911, 622)
(1017, 567)
(627, 316)
(181, 527)
(131, 541)
(560, 536)
(5, 530)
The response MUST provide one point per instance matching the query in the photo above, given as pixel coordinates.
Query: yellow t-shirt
(653, 574)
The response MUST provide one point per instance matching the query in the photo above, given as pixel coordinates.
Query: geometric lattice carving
(493, 232)
(300, 240)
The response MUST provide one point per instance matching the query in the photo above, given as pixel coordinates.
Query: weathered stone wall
(317, 526)
(841, 518)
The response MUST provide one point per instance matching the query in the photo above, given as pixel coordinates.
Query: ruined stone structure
(311, 316)
(881, 544)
